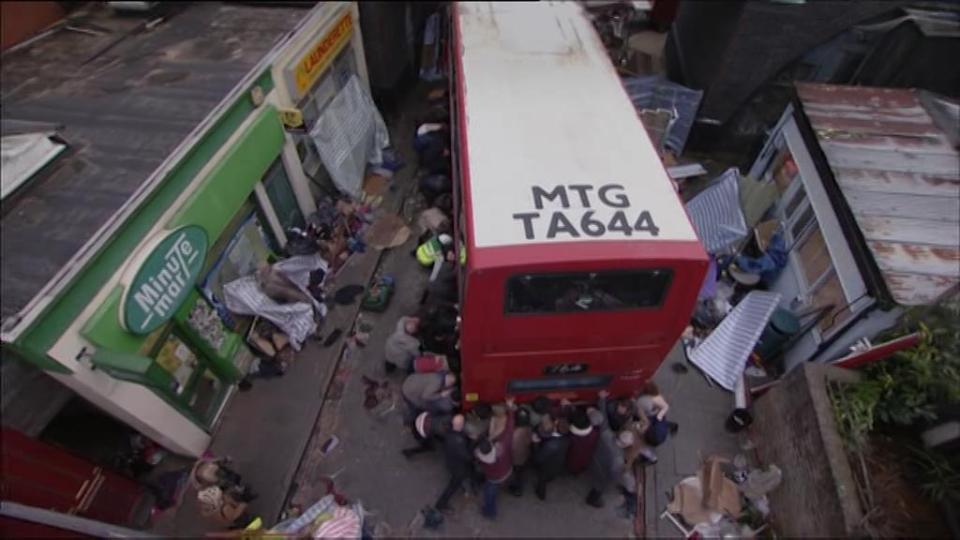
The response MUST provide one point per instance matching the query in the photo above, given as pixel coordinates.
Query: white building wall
(138, 407)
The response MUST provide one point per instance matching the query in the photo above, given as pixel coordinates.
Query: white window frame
(841, 257)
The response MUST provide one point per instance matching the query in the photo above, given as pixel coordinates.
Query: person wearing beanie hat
(426, 428)
(583, 442)
(495, 455)
(619, 413)
(607, 463)
(538, 408)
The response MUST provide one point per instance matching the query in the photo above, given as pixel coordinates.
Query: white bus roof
(556, 152)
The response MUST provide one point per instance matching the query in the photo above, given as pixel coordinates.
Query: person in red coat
(495, 455)
(583, 442)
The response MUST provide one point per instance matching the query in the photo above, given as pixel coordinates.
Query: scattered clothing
(347, 294)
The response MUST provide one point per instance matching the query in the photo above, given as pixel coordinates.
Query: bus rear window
(587, 291)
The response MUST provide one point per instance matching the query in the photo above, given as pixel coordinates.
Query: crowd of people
(503, 445)
(494, 446)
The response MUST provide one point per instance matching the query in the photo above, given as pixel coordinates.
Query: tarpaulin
(349, 134)
(244, 297)
(723, 354)
(716, 213)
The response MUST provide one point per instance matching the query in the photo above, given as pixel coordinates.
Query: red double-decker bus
(582, 267)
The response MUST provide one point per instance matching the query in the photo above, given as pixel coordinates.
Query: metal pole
(69, 522)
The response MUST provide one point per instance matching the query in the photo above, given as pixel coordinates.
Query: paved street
(369, 466)
(701, 410)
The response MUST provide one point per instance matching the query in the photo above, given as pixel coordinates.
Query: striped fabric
(243, 297)
(716, 213)
(344, 524)
(723, 355)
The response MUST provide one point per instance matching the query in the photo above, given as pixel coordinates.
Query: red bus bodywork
(561, 355)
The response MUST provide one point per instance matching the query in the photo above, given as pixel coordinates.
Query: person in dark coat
(607, 464)
(583, 442)
(458, 458)
(620, 413)
(427, 428)
(550, 453)
(522, 441)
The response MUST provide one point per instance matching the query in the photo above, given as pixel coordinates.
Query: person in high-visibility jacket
(434, 251)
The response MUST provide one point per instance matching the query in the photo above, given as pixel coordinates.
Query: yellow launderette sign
(312, 64)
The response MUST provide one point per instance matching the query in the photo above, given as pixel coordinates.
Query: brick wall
(794, 429)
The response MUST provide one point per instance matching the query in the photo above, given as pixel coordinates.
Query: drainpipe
(69, 522)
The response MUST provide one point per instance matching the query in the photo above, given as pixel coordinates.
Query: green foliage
(916, 382)
(853, 409)
(939, 476)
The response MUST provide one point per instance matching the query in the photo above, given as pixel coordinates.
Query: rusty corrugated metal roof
(900, 176)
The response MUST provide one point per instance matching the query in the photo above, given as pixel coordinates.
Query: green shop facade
(135, 326)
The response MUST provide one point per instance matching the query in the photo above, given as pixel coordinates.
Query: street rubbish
(378, 295)
(388, 231)
(244, 297)
(330, 445)
(289, 306)
(327, 518)
(705, 500)
(768, 265)
(760, 482)
(347, 294)
(334, 336)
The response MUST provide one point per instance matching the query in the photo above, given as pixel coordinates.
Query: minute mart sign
(162, 278)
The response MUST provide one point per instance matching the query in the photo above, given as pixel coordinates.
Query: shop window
(246, 249)
(180, 362)
(813, 256)
(801, 222)
(587, 291)
(784, 170)
(780, 168)
(198, 388)
(282, 198)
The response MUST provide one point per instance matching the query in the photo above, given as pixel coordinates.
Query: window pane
(798, 198)
(784, 170)
(282, 197)
(178, 359)
(587, 291)
(796, 230)
(829, 293)
(813, 256)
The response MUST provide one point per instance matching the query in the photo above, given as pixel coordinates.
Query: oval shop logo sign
(163, 279)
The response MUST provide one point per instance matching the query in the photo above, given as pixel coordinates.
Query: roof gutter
(14, 326)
